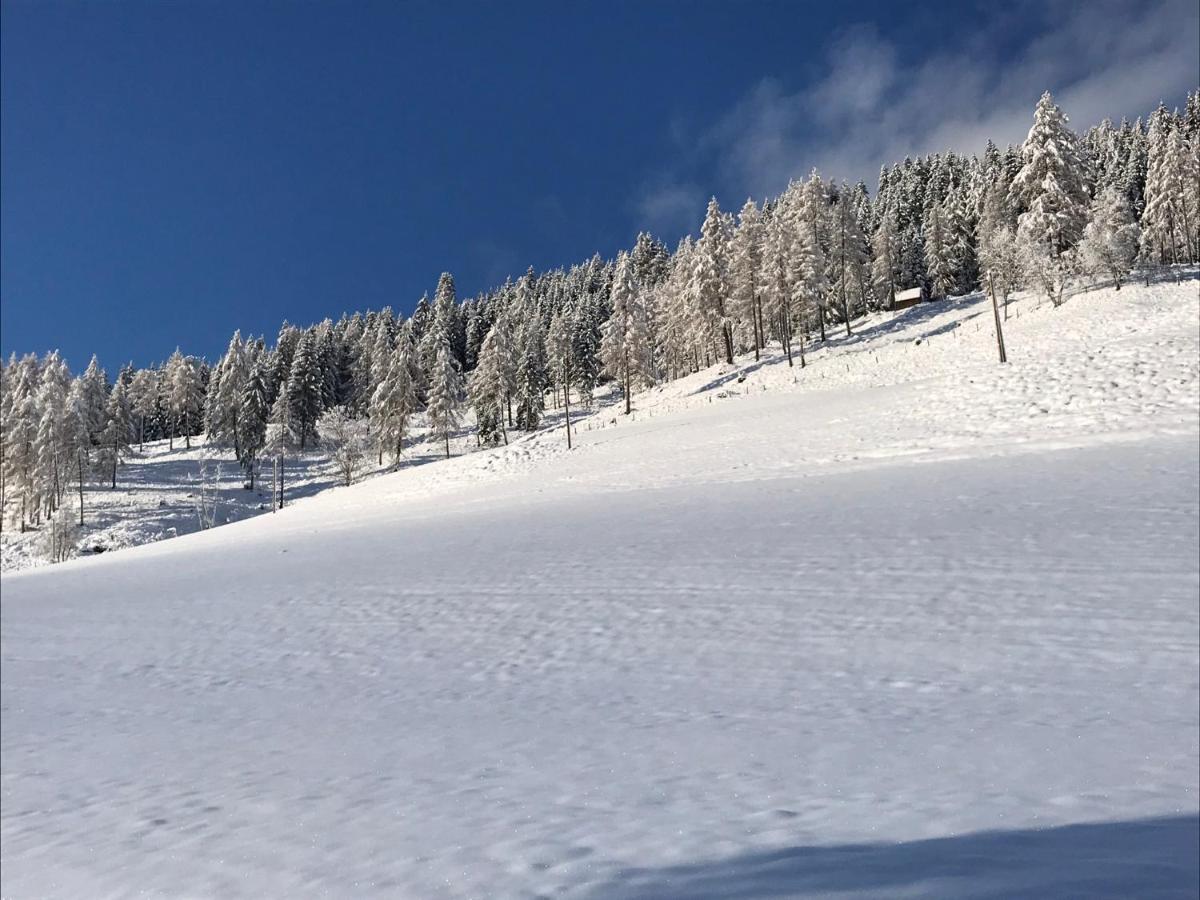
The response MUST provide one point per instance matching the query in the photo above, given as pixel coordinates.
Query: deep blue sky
(173, 170)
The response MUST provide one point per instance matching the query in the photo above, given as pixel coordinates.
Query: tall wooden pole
(996, 315)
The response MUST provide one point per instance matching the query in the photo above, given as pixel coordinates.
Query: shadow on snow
(1145, 858)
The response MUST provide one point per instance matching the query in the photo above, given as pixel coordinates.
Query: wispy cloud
(670, 207)
(878, 102)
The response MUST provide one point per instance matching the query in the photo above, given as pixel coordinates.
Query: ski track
(915, 625)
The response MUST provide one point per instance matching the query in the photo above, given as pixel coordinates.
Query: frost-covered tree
(304, 390)
(345, 439)
(745, 267)
(488, 390)
(394, 402)
(445, 396)
(885, 266)
(20, 436)
(143, 395)
(710, 280)
(94, 398)
(939, 264)
(253, 416)
(775, 281)
(118, 429)
(848, 253)
(1110, 240)
(225, 396)
(805, 235)
(625, 345)
(531, 375)
(1050, 190)
(1171, 221)
(561, 359)
(185, 395)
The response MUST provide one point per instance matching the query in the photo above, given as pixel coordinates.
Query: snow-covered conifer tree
(445, 396)
(885, 267)
(394, 402)
(304, 390)
(1050, 189)
(745, 267)
(185, 395)
(253, 415)
(625, 346)
(488, 390)
(143, 396)
(94, 398)
(710, 280)
(938, 260)
(118, 429)
(1171, 220)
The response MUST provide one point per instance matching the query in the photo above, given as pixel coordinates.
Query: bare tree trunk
(567, 407)
(996, 314)
(785, 336)
(447, 443)
(79, 457)
(627, 379)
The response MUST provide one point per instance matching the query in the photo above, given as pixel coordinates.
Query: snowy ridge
(737, 644)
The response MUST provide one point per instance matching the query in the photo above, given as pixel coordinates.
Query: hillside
(901, 622)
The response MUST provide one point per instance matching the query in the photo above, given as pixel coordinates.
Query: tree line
(785, 272)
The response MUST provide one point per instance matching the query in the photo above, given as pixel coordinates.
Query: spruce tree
(393, 403)
(304, 390)
(745, 265)
(445, 390)
(1050, 189)
(625, 347)
(488, 390)
(253, 415)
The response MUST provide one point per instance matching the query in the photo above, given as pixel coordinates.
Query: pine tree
(710, 280)
(143, 395)
(531, 375)
(185, 395)
(1172, 214)
(394, 402)
(226, 396)
(445, 391)
(745, 266)
(848, 252)
(774, 281)
(625, 346)
(253, 415)
(558, 349)
(114, 440)
(885, 267)
(94, 398)
(488, 390)
(1050, 189)
(938, 262)
(304, 393)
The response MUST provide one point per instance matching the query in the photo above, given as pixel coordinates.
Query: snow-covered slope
(913, 624)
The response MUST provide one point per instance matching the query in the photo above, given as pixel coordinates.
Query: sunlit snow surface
(916, 625)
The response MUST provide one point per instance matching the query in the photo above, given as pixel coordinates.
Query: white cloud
(878, 102)
(670, 207)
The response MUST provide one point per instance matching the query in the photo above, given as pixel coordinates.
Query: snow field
(912, 625)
